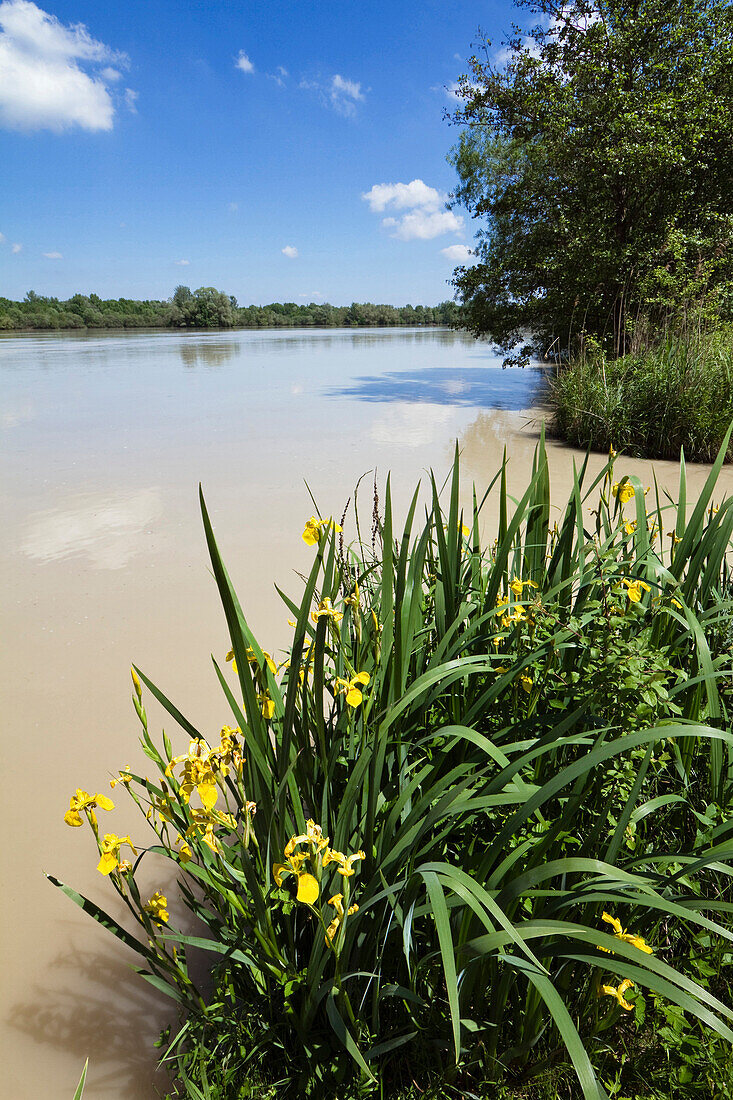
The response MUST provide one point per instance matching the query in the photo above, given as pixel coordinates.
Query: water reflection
(109, 530)
(481, 387)
(412, 424)
(195, 353)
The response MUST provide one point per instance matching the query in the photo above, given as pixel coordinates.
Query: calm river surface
(103, 441)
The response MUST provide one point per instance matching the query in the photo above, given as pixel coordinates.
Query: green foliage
(651, 404)
(208, 308)
(500, 745)
(599, 157)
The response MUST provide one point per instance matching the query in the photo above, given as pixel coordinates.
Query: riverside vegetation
(472, 836)
(595, 151)
(206, 307)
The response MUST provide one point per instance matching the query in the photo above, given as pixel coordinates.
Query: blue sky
(287, 151)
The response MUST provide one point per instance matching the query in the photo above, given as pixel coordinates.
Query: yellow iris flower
(526, 682)
(123, 776)
(618, 993)
(351, 687)
(517, 586)
(630, 526)
(267, 705)
(326, 611)
(337, 901)
(624, 492)
(87, 802)
(157, 908)
(627, 937)
(634, 588)
(110, 858)
(198, 773)
(345, 867)
(314, 528)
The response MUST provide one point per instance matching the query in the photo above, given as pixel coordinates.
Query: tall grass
(481, 749)
(679, 394)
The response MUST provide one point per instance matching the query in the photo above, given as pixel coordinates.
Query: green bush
(474, 832)
(678, 395)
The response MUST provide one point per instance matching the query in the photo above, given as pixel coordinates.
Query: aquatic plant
(475, 817)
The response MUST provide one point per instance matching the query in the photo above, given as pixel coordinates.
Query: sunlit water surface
(104, 439)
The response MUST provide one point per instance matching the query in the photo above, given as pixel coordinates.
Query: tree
(599, 154)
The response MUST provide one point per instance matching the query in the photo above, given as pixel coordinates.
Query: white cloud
(233, 207)
(16, 248)
(425, 216)
(244, 63)
(338, 92)
(131, 100)
(2, 237)
(280, 76)
(49, 73)
(403, 196)
(290, 251)
(53, 255)
(182, 263)
(457, 253)
(345, 94)
(424, 225)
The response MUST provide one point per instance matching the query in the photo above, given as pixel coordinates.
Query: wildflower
(675, 537)
(87, 802)
(518, 615)
(313, 528)
(465, 531)
(676, 603)
(618, 993)
(630, 526)
(624, 492)
(611, 453)
(185, 851)
(198, 773)
(517, 586)
(157, 908)
(351, 687)
(526, 682)
(110, 859)
(634, 588)
(267, 704)
(325, 611)
(137, 685)
(313, 836)
(337, 901)
(202, 828)
(308, 888)
(123, 777)
(345, 867)
(352, 601)
(628, 937)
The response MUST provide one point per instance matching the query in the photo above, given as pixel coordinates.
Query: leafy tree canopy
(598, 153)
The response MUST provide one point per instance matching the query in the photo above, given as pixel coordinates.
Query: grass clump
(472, 837)
(650, 404)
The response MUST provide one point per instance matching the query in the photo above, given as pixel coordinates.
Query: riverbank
(651, 404)
(207, 308)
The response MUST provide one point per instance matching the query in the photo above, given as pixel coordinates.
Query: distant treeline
(207, 308)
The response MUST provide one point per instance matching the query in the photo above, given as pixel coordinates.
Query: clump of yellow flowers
(306, 857)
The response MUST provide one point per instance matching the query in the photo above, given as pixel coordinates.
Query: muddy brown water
(103, 441)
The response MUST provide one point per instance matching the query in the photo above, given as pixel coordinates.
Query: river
(104, 439)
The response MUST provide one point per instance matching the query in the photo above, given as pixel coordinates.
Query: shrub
(471, 825)
(678, 395)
